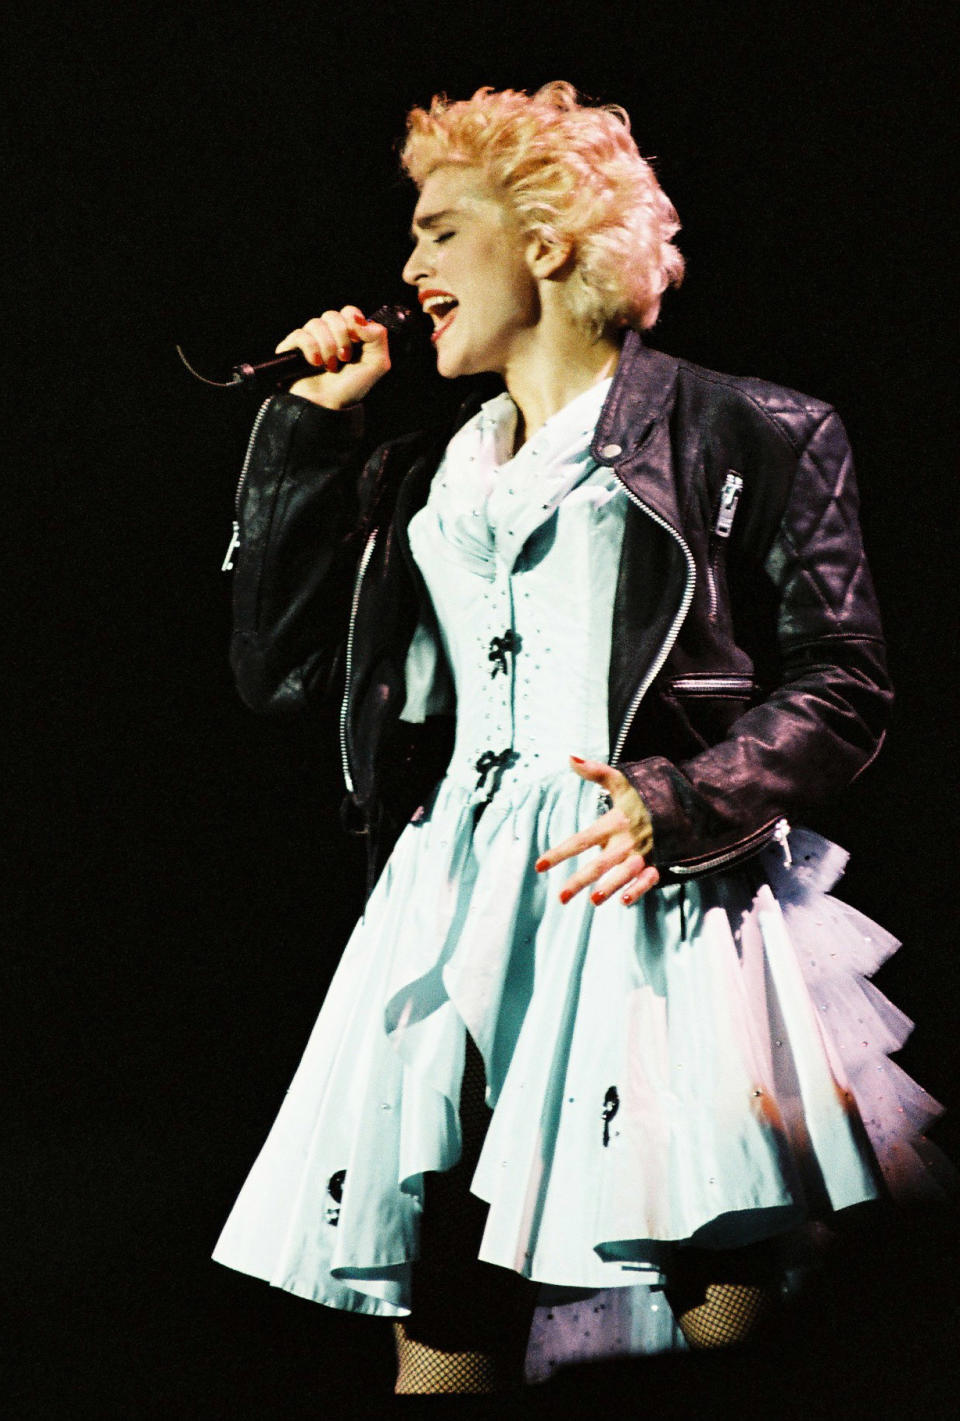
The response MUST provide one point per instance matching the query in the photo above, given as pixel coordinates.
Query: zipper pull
(781, 832)
(729, 498)
(227, 564)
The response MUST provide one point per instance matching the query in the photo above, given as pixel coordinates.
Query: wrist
(305, 390)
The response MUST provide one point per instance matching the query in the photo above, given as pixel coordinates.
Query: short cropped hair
(571, 172)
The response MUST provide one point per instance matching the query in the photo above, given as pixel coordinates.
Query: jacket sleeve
(298, 539)
(825, 720)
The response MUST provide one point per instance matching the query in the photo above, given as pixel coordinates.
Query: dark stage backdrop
(213, 175)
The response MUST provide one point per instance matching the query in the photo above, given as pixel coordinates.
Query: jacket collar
(632, 435)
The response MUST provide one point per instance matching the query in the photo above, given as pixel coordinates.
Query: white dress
(709, 1065)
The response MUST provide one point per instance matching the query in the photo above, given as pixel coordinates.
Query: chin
(451, 368)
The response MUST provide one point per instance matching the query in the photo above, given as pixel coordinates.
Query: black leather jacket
(747, 674)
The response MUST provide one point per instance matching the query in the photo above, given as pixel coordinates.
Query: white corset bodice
(520, 557)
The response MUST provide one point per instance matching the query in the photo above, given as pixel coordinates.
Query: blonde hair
(571, 173)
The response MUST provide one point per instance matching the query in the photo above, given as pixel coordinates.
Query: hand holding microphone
(349, 352)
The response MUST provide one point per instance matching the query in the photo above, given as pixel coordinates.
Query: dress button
(610, 451)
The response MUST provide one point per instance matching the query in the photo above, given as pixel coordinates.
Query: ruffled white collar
(487, 500)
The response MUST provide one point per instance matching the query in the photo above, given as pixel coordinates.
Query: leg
(423, 1369)
(478, 1347)
(723, 1299)
(731, 1313)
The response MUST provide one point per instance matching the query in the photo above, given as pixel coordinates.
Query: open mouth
(441, 309)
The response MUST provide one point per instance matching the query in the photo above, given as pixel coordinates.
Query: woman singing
(600, 1056)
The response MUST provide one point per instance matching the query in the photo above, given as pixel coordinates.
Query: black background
(212, 175)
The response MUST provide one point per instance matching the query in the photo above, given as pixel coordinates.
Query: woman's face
(470, 268)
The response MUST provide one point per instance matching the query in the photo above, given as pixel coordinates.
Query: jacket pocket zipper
(778, 829)
(729, 498)
(711, 685)
(722, 525)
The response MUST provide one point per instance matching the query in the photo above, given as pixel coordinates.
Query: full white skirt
(708, 1066)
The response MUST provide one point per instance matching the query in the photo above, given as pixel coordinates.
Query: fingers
(631, 877)
(648, 879)
(324, 341)
(349, 352)
(636, 815)
(634, 876)
(625, 876)
(595, 771)
(595, 834)
(360, 328)
(329, 340)
(624, 834)
(340, 331)
(596, 868)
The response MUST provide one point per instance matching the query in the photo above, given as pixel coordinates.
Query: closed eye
(443, 237)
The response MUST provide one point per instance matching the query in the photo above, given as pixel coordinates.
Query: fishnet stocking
(423, 1369)
(722, 1297)
(730, 1314)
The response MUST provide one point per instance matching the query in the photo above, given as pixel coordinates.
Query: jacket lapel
(633, 437)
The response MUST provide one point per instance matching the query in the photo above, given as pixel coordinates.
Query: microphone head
(395, 318)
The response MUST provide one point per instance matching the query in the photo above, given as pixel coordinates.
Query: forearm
(298, 536)
(807, 741)
(823, 721)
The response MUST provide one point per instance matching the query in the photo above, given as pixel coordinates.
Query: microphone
(284, 369)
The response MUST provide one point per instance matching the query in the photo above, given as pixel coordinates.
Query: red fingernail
(596, 898)
(360, 320)
(625, 898)
(540, 865)
(565, 897)
(578, 759)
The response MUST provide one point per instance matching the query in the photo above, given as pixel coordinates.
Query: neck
(558, 363)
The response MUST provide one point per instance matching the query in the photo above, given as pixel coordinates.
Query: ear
(548, 257)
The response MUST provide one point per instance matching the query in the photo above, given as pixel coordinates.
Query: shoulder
(708, 408)
(744, 403)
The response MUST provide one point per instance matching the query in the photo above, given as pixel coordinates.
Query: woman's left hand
(624, 836)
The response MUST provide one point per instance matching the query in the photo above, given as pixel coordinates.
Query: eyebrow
(431, 220)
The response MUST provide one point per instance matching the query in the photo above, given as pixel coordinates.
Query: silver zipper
(227, 564)
(726, 511)
(672, 634)
(711, 684)
(781, 832)
(729, 498)
(778, 829)
(345, 703)
(232, 546)
(712, 599)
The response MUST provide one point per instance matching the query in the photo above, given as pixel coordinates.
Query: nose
(416, 266)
